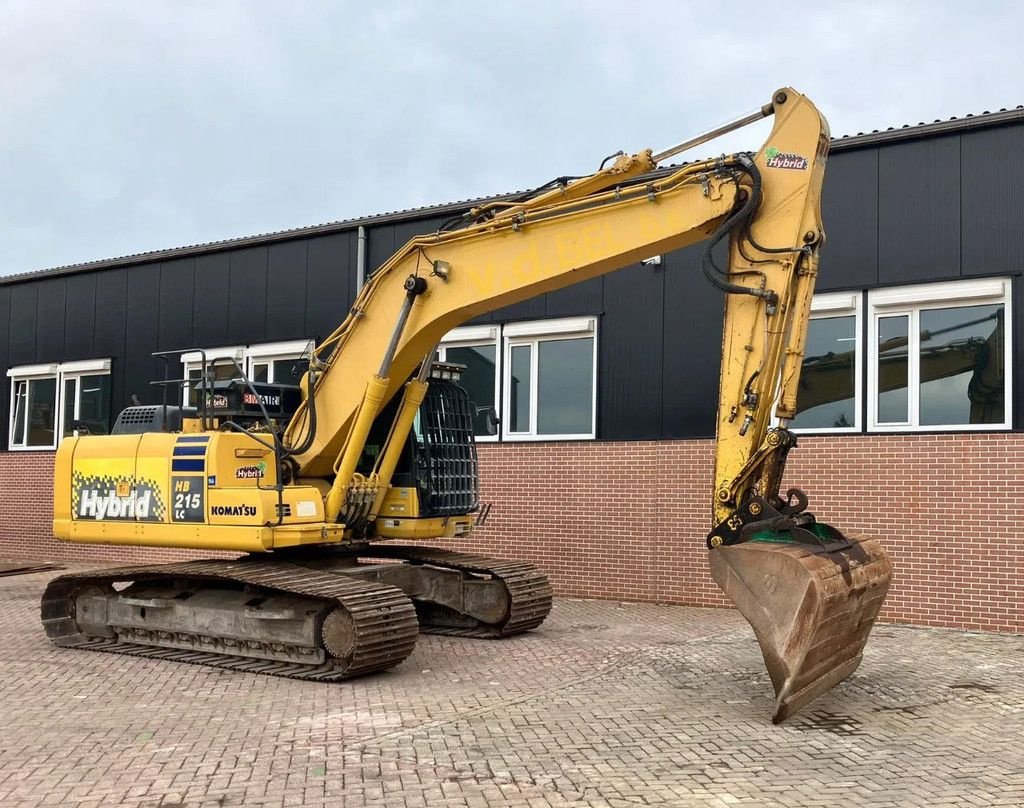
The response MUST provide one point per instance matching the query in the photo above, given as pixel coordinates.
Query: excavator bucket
(811, 608)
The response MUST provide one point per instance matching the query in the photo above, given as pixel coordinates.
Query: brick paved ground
(607, 705)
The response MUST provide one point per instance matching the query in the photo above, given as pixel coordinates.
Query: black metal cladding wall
(939, 208)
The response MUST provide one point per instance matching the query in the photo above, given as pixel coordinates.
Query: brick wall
(627, 520)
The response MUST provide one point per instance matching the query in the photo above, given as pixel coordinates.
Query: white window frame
(842, 304)
(246, 356)
(60, 373)
(476, 336)
(76, 371)
(910, 301)
(270, 352)
(29, 374)
(500, 336)
(532, 334)
(193, 360)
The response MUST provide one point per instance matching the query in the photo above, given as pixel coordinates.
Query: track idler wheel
(811, 608)
(338, 634)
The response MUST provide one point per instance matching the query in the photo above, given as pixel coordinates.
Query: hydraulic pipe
(414, 286)
(346, 466)
(800, 313)
(415, 392)
(732, 126)
(373, 398)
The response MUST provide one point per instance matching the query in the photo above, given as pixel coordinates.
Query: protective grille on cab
(447, 423)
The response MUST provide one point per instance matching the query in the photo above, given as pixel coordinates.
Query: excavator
(314, 487)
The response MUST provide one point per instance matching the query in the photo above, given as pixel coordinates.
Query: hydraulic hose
(715, 276)
(757, 192)
(307, 441)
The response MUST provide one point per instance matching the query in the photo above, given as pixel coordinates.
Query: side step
(494, 599)
(293, 621)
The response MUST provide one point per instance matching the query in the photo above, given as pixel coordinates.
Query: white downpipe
(360, 259)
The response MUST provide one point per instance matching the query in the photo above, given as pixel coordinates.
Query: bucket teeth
(811, 609)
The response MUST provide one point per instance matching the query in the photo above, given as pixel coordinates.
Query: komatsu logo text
(233, 510)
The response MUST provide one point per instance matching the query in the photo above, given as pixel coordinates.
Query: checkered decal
(116, 498)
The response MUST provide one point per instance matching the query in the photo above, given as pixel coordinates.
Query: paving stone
(604, 707)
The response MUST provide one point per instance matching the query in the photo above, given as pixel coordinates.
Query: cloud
(136, 126)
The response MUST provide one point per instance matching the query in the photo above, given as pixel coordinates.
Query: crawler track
(529, 589)
(384, 619)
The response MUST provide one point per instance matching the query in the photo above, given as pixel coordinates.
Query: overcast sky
(134, 126)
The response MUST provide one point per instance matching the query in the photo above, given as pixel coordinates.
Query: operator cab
(437, 473)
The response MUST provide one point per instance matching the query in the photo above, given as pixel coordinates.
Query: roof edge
(210, 247)
(936, 128)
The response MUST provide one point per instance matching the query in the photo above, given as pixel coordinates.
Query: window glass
(191, 394)
(826, 398)
(70, 399)
(20, 412)
(565, 386)
(289, 371)
(962, 359)
(261, 372)
(42, 412)
(477, 378)
(94, 404)
(221, 371)
(417, 428)
(519, 388)
(893, 369)
(225, 367)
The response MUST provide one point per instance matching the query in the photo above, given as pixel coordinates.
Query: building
(607, 390)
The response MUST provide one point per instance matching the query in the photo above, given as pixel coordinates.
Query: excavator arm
(810, 593)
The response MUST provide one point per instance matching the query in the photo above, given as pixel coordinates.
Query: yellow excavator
(315, 484)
